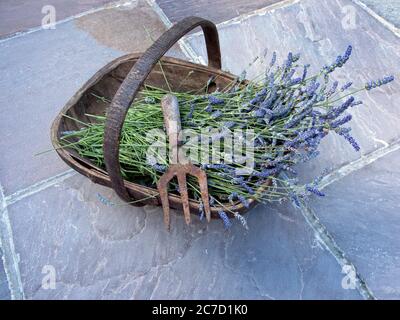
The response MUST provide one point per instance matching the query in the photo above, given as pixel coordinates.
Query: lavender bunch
(290, 112)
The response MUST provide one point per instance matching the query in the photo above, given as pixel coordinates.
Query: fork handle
(172, 122)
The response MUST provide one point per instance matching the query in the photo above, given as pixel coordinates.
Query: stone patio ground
(51, 217)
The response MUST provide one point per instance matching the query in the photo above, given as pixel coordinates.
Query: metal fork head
(181, 171)
(179, 166)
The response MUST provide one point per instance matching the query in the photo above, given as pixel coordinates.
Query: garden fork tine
(179, 165)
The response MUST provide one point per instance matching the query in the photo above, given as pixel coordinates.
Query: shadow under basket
(120, 81)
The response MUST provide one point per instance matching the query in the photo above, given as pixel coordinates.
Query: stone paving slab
(388, 9)
(319, 31)
(362, 212)
(217, 12)
(122, 252)
(16, 16)
(4, 290)
(43, 70)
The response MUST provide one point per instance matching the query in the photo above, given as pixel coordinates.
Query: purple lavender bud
(340, 122)
(229, 124)
(318, 179)
(212, 201)
(296, 81)
(356, 103)
(242, 220)
(289, 61)
(214, 100)
(282, 110)
(289, 76)
(219, 135)
(346, 86)
(375, 84)
(266, 173)
(312, 88)
(209, 108)
(216, 114)
(259, 97)
(217, 166)
(297, 119)
(233, 196)
(104, 200)
(225, 219)
(243, 201)
(340, 61)
(302, 136)
(305, 71)
(273, 60)
(333, 89)
(247, 188)
(159, 167)
(295, 200)
(314, 190)
(337, 111)
(350, 139)
(348, 53)
(191, 111)
(271, 80)
(260, 142)
(296, 57)
(259, 113)
(267, 103)
(342, 131)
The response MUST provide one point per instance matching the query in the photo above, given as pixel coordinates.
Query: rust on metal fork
(180, 171)
(180, 166)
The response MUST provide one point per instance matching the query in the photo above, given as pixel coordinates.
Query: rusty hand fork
(179, 165)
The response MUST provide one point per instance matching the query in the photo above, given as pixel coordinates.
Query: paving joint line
(10, 257)
(358, 164)
(248, 15)
(111, 5)
(39, 186)
(183, 43)
(378, 17)
(327, 240)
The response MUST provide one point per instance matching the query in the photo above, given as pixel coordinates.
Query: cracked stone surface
(362, 212)
(122, 252)
(320, 38)
(4, 291)
(42, 71)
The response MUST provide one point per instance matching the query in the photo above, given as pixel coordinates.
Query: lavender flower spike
(340, 122)
(346, 86)
(314, 190)
(216, 114)
(243, 201)
(104, 200)
(214, 100)
(225, 219)
(242, 220)
(375, 84)
(273, 60)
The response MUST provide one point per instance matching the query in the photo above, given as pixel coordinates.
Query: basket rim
(99, 175)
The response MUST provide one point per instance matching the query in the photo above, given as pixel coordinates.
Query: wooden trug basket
(120, 81)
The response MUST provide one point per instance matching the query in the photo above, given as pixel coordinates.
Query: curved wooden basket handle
(126, 93)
